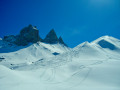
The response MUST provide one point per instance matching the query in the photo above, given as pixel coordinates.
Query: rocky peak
(61, 41)
(27, 35)
(51, 37)
(30, 34)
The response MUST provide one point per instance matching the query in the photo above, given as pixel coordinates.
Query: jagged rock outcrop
(27, 35)
(30, 34)
(9, 38)
(61, 41)
(51, 37)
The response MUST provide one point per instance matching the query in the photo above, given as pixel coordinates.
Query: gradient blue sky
(75, 20)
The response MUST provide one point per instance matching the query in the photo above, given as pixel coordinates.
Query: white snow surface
(88, 66)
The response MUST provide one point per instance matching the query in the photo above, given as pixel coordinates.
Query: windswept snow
(88, 66)
(107, 41)
(31, 53)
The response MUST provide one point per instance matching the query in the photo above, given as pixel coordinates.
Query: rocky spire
(27, 35)
(51, 37)
(30, 34)
(61, 41)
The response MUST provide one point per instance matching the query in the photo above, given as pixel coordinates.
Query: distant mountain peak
(27, 35)
(52, 31)
(84, 44)
(106, 36)
(30, 34)
(61, 41)
(51, 37)
(107, 42)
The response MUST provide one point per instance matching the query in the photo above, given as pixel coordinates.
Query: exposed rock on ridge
(27, 35)
(61, 41)
(51, 37)
(30, 34)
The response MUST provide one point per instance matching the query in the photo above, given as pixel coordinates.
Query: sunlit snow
(88, 66)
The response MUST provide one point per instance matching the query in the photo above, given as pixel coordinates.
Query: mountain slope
(30, 53)
(108, 42)
(88, 66)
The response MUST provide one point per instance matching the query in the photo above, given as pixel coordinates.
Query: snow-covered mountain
(42, 66)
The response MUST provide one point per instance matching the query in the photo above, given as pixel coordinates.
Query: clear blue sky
(75, 20)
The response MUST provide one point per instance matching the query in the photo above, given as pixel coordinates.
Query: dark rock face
(30, 34)
(10, 38)
(27, 35)
(106, 44)
(51, 37)
(20, 41)
(61, 41)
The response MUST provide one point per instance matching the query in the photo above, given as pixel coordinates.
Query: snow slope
(88, 66)
(30, 53)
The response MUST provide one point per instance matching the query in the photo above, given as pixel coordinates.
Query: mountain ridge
(30, 34)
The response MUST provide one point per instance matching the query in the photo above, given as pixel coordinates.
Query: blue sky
(75, 20)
